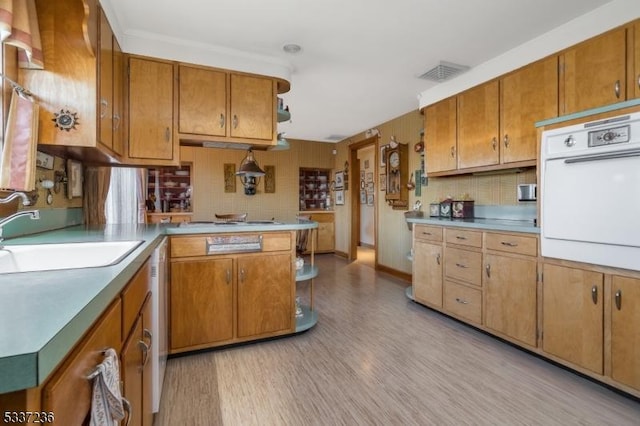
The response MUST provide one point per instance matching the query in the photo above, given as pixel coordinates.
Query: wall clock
(397, 166)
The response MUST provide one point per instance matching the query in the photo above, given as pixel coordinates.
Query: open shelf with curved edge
(283, 115)
(308, 272)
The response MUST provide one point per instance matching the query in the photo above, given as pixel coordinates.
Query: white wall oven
(590, 192)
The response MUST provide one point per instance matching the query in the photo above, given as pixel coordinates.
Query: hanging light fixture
(281, 145)
(250, 173)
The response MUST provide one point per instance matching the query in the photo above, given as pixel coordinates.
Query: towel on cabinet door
(107, 404)
(18, 167)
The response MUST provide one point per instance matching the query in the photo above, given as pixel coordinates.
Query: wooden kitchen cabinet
(79, 53)
(326, 234)
(131, 360)
(427, 265)
(634, 72)
(235, 297)
(222, 106)
(572, 315)
(593, 73)
(67, 394)
(625, 338)
(478, 126)
(440, 136)
(527, 95)
(202, 298)
(151, 138)
(510, 286)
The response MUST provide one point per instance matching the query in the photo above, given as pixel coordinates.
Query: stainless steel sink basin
(47, 257)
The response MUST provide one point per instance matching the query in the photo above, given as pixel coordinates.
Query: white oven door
(593, 199)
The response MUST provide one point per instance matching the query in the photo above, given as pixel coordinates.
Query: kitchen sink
(48, 257)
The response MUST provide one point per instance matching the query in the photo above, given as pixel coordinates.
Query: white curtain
(125, 200)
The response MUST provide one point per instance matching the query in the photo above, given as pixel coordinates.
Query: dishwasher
(159, 326)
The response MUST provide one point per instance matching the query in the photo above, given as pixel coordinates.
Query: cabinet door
(440, 136)
(526, 96)
(150, 109)
(118, 98)
(572, 323)
(593, 72)
(427, 273)
(265, 295)
(105, 71)
(147, 378)
(202, 101)
(510, 297)
(201, 302)
(68, 393)
(625, 338)
(131, 360)
(636, 60)
(478, 126)
(252, 107)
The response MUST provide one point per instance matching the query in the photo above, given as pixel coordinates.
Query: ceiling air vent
(443, 71)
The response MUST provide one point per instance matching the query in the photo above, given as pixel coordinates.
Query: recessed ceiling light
(292, 48)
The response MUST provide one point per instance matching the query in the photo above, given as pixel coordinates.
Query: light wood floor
(376, 358)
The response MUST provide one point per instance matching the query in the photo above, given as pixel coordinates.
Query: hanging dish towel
(107, 407)
(18, 167)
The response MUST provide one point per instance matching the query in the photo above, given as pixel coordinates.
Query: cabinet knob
(453, 152)
(438, 258)
(145, 352)
(167, 134)
(461, 265)
(103, 106)
(228, 276)
(116, 121)
(242, 275)
(508, 244)
(462, 301)
(128, 409)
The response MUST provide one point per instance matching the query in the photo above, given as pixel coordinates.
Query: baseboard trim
(341, 254)
(394, 272)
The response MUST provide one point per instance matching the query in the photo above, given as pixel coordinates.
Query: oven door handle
(605, 156)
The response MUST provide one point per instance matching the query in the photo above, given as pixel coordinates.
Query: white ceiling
(360, 59)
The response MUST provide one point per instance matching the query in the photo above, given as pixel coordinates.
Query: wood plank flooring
(376, 358)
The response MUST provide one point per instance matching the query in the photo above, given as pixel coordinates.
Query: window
(124, 205)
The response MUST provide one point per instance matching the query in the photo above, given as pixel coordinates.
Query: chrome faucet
(35, 214)
(25, 199)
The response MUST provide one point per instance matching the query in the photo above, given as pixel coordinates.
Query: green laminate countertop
(507, 225)
(588, 112)
(44, 314)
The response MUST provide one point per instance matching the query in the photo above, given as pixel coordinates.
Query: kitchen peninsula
(49, 339)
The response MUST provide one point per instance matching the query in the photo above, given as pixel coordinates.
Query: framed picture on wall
(363, 197)
(383, 160)
(383, 182)
(339, 197)
(370, 199)
(339, 181)
(74, 176)
(369, 177)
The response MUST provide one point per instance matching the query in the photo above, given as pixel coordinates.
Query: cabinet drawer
(197, 245)
(464, 237)
(463, 265)
(428, 233)
(519, 244)
(133, 297)
(463, 301)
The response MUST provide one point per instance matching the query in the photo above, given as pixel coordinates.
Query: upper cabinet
(440, 135)
(151, 133)
(478, 126)
(527, 95)
(70, 88)
(592, 73)
(220, 106)
(634, 73)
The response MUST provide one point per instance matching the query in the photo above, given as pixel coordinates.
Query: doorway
(363, 158)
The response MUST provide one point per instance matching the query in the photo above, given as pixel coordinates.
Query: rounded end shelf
(409, 292)
(283, 115)
(308, 319)
(307, 272)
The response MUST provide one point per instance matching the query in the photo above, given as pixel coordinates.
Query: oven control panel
(609, 136)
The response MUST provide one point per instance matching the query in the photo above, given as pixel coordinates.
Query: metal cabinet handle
(222, 120)
(494, 143)
(488, 269)
(426, 233)
(145, 352)
(453, 152)
(464, 302)
(167, 134)
(506, 140)
(459, 237)
(508, 244)
(638, 81)
(235, 121)
(116, 121)
(594, 294)
(617, 89)
(438, 258)
(242, 275)
(149, 335)
(228, 276)
(618, 299)
(103, 106)
(461, 265)
(128, 409)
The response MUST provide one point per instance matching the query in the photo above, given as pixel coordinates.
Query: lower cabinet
(427, 273)
(625, 334)
(573, 322)
(229, 298)
(463, 301)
